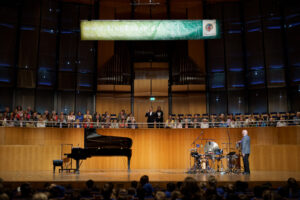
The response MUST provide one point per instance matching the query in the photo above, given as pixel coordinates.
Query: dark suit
(150, 119)
(159, 118)
(245, 142)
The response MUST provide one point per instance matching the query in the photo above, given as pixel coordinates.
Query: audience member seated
(106, 116)
(97, 120)
(290, 190)
(87, 123)
(232, 124)
(77, 123)
(122, 123)
(79, 117)
(190, 189)
(195, 123)
(107, 123)
(46, 112)
(130, 122)
(186, 123)
(261, 123)
(169, 122)
(71, 119)
(53, 120)
(170, 188)
(204, 123)
(272, 122)
(145, 189)
(281, 123)
(122, 115)
(88, 116)
(179, 123)
(212, 121)
(10, 121)
(133, 125)
(41, 122)
(89, 190)
(296, 119)
(62, 122)
(114, 124)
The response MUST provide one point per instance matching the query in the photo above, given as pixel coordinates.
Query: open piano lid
(94, 140)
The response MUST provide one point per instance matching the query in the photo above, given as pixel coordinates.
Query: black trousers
(159, 123)
(150, 124)
(246, 163)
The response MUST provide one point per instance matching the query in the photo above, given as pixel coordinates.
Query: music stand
(67, 161)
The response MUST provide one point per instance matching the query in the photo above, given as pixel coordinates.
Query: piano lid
(94, 140)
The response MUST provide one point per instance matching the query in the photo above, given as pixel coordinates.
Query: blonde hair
(40, 196)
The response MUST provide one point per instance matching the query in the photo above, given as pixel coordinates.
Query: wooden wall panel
(113, 102)
(160, 87)
(189, 103)
(142, 87)
(123, 12)
(152, 148)
(28, 157)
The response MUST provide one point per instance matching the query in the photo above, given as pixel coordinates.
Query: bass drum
(234, 162)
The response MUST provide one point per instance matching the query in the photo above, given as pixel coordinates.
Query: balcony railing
(135, 125)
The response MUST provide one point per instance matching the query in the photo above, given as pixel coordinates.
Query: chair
(205, 116)
(180, 116)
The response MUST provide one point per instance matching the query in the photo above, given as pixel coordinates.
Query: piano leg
(128, 160)
(77, 166)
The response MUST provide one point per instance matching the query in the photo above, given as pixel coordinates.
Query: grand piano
(101, 145)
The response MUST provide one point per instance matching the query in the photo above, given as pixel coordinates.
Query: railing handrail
(130, 124)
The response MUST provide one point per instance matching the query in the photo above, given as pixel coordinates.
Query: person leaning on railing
(272, 122)
(204, 123)
(169, 122)
(71, 119)
(281, 123)
(296, 119)
(232, 123)
(114, 124)
(212, 121)
(97, 120)
(61, 121)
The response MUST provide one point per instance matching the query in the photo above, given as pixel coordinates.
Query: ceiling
(122, 2)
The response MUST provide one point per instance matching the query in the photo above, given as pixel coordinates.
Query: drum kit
(212, 160)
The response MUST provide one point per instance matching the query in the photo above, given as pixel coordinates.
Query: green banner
(149, 29)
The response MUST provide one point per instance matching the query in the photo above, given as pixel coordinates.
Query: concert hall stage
(27, 154)
(157, 177)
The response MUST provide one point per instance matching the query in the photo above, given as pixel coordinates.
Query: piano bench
(57, 163)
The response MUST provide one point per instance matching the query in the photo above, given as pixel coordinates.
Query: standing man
(245, 146)
(150, 118)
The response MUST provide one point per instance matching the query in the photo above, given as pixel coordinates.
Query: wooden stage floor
(160, 176)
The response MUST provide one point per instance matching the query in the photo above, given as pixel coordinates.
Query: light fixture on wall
(152, 98)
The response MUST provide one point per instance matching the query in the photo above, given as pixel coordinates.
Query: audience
(189, 189)
(29, 118)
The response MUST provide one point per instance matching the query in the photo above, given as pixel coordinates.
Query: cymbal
(210, 147)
